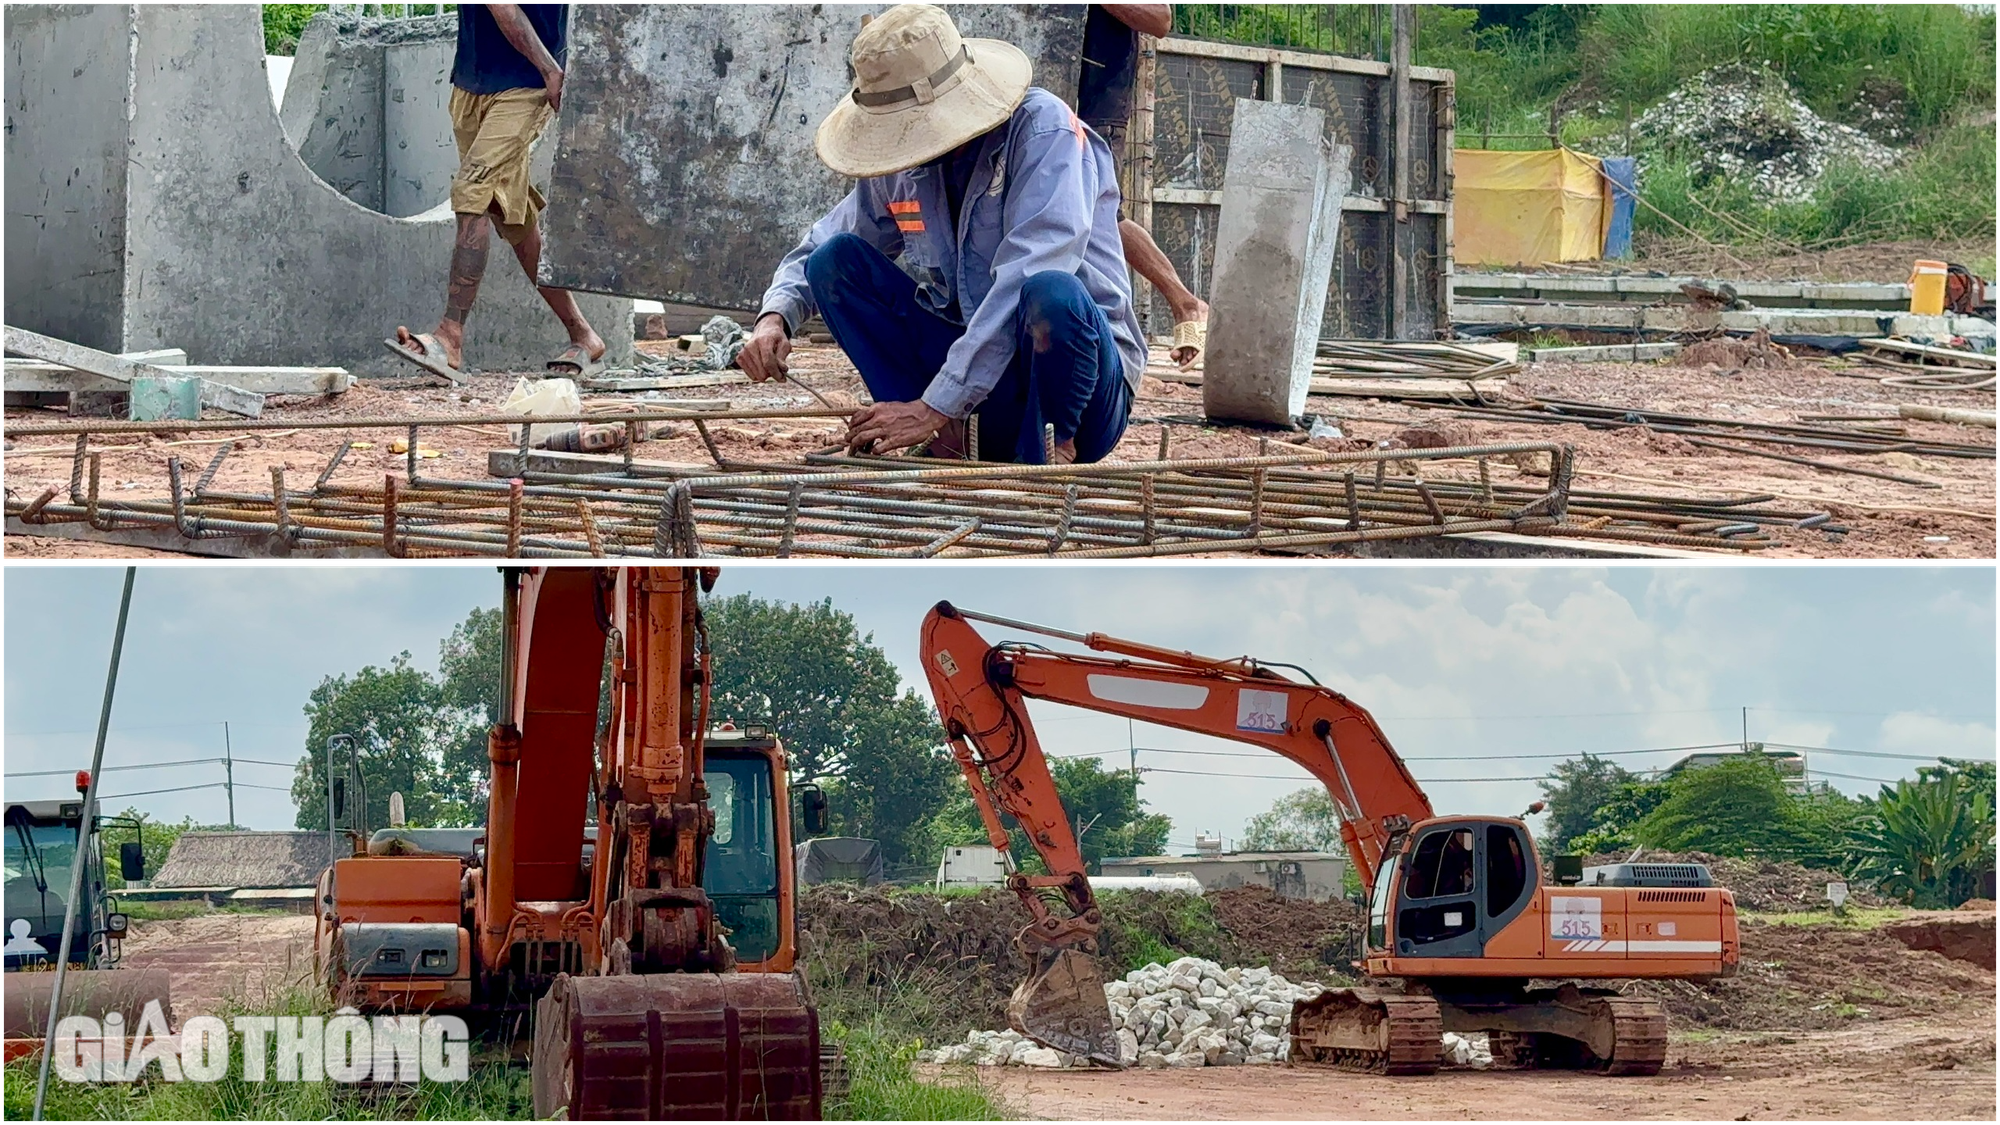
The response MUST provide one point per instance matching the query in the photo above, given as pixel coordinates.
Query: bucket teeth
(1063, 1006)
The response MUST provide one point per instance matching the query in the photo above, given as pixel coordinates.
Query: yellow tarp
(1527, 208)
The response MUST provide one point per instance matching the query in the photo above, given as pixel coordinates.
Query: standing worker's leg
(871, 308)
(1067, 374)
(528, 251)
(498, 155)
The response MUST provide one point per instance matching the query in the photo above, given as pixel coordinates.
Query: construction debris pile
(1187, 1014)
(1742, 122)
(1763, 886)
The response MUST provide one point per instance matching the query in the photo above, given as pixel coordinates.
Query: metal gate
(1391, 243)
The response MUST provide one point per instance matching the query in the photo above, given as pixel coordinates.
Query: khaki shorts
(496, 133)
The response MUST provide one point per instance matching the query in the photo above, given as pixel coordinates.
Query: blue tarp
(1623, 173)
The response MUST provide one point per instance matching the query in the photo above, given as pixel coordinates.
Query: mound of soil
(1803, 978)
(1963, 936)
(1761, 885)
(1299, 939)
(947, 963)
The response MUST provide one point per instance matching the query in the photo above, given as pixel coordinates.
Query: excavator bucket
(677, 1046)
(1063, 1006)
(86, 992)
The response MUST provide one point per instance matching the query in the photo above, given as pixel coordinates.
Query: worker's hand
(891, 425)
(552, 81)
(763, 355)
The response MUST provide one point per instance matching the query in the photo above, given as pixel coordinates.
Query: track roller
(1363, 1029)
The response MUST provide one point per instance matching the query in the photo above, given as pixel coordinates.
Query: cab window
(1443, 865)
(1378, 909)
(1506, 869)
(740, 871)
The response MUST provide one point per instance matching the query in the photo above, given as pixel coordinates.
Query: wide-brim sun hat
(920, 90)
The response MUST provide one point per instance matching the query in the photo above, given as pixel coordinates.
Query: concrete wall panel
(686, 164)
(234, 249)
(419, 154)
(65, 170)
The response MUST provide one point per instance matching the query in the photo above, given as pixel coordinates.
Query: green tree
(1618, 817)
(1300, 821)
(1736, 807)
(284, 23)
(845, 717)
(400, 726)
(158, 837)
(1105, 811)
(1927, 841)
(1580, 789)
(468, 689)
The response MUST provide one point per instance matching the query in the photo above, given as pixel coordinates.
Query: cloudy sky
(1475, 673)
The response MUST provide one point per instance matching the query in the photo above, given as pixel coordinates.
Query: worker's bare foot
(586, 337)
(453, 345)
(1063, 452)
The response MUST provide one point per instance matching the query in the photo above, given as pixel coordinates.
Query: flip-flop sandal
(432, 359)
(575, 362)
(1191, 334)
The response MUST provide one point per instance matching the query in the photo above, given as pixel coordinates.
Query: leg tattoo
(468, 266)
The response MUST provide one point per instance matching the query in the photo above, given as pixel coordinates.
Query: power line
(155, 765)
(1856, 777)
(189, 789)
(155, 726)
(1526, 757)
(1283, 777)
(1871, 753)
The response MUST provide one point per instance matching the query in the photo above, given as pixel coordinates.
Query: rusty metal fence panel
(1196, 84)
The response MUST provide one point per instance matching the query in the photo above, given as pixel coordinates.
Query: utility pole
(1132, 750)
(1746, 730)
(229, 775)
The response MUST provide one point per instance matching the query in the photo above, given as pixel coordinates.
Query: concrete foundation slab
(1274, 248)
(152, 200)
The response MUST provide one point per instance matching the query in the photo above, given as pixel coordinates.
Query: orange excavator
(1460, 921)
(631, 884)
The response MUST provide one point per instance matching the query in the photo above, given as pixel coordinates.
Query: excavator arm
(981, 689)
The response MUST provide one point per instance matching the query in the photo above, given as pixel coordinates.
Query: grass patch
(883, 1084)
(1157, 927)
(1850, 918)
(492, 1092)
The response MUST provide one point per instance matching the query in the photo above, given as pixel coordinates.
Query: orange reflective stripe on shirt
(914, 226)
(905, 207)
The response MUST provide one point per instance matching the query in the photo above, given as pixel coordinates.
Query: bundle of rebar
(552, 506)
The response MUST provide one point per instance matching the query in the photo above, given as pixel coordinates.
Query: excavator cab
(743, 872)
(1446, 887)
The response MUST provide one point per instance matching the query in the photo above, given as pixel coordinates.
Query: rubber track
(1638, 1047)
(1416, 1036)
(1639, 1036)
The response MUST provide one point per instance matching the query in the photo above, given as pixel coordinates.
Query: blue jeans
(1066, 370)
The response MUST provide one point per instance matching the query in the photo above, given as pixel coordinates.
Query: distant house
(265, 869)
(1308, 875)
(1791, 764)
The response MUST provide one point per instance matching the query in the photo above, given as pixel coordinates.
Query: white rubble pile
(1187, 1014)
(1742, 122)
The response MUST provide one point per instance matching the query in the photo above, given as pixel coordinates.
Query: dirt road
(1911, 1069)
(213, 958)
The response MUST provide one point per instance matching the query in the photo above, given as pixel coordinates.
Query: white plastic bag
(542, 398)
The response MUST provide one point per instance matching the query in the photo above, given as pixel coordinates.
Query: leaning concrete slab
(685, 165)
(368, 109)
(1274, 247)
(153, 200)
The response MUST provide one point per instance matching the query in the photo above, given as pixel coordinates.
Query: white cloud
(1909, 732)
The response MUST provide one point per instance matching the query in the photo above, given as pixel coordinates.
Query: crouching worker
(1012, 301)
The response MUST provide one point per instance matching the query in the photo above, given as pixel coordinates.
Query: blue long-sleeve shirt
(1043, 196)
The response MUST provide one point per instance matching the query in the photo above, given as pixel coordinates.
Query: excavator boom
(980, 690)
(1459, 909)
